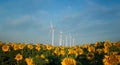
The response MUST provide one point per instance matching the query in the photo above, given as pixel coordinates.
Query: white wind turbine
(73, 41)
(66, 41)
(63, 42)
(60, 40)
(52, 30)
(70, 37)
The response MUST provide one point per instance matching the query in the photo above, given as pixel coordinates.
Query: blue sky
(87, 21)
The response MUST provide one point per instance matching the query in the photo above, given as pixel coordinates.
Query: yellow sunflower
(91, 49)
(68, 61)
(29, 61)
(5, 48)
(90, 56)
(15, 46)
(37, 47)
(62, 52)
(30, 46)
(18, 57)
(111, 60)
(48, 47)
(42, 56)
(21, 46)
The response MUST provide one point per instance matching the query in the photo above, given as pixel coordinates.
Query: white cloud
(93, 6)
(20, 20)
(72, 16)
(43, 12)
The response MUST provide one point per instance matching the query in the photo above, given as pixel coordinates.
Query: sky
(87, 21)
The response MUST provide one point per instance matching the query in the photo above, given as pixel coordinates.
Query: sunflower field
(99, 53)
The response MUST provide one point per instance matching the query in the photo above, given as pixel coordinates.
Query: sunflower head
(5, 48)
(68, 61)
(90, 56)
(18, 57)
(30, 46)
(29, 61)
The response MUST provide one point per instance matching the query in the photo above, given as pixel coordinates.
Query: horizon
(87, 21)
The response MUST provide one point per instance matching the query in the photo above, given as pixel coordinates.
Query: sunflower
(91, 49)
(56, 52)
(80, 51)
(97, 44)
(48, 47)
(106, 49)
(42, 56)
(37, 47)
(15, 46)
(43, 47)
(90, 56)
(21, 46)
(71, 51)
(99, 51)
(30, 46)
(62, 52)
(117, 44)
(46, 60)
(37, 44)
(5, 48)
(111, 60)
(29, 61)
(107, 43)
(68, 61)
(18, 57)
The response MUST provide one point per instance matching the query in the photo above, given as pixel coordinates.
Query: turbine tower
(73, 40)
(63, 43)
(52, 30)
(66, 41)
(70, 37)
(60, 40)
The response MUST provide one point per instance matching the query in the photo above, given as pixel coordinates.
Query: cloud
(94, 11)
(103, 10)
(25, 23)
(71, 16)
(43, 12)
(95, 6)
(21, 23)
(20, 20)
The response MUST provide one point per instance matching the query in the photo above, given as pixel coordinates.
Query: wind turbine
(73, 41)
(63, 42)
(66, 40)
(70, 37)
(52, 30)
(60, 40)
